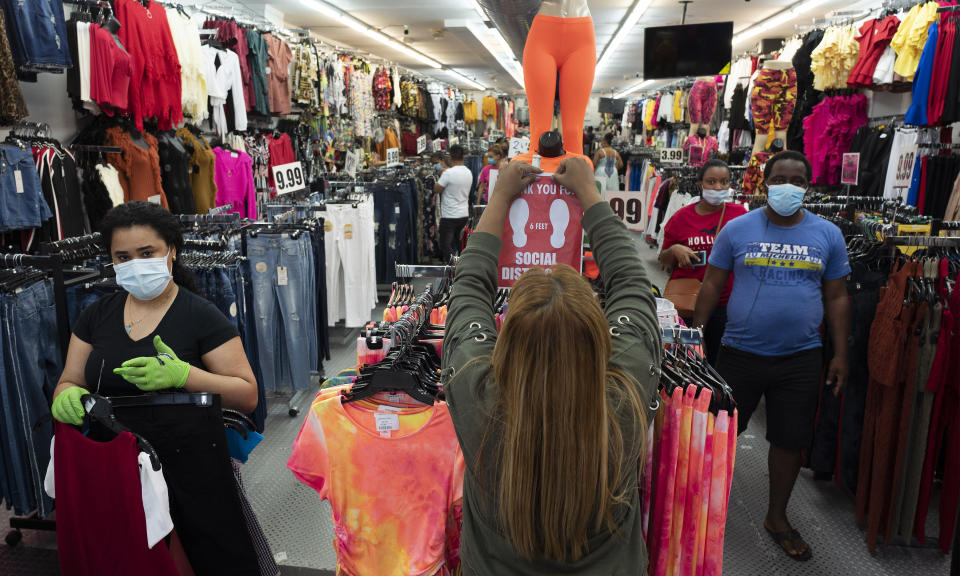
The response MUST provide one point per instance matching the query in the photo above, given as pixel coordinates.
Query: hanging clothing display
(119, 480)
(830, 129)
(193, 81)
(138, 165)
(234, 179)
(225, 87)
(155, 90)
(202, 171)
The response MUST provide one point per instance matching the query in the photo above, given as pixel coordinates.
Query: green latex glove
(67, 407)
(158, 372)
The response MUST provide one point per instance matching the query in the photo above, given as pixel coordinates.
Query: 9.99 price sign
(628, 206)
(289, 178)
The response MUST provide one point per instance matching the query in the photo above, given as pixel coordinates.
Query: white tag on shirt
(397, 398)
(387, 422)
(268, 69)
(155, 199)
(281, 275)
(388, 408)
(234, 155)
(18, 180)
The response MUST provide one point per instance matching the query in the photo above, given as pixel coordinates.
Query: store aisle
(301, 533)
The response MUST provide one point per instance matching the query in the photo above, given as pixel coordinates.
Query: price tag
(421, 144)
(18, 181)
(350, 163)
(437, 145)
(629, 207)
(671, 156)
(281, 275)
(850, 172)
(454, 140)
(904, 174)
(289, 178)
(393, 157)
(461, 126)
(518, 146)
(387, 422)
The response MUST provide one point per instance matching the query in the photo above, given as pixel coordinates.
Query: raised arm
(470, 312)
(631, 309)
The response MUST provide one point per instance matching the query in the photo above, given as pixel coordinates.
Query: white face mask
(144, 278)
(715, 197)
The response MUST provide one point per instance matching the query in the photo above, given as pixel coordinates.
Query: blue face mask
(438, 166)
(491, 161)
(785, 199)
(143, 278)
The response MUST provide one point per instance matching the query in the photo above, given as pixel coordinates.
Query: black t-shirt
(191, 327)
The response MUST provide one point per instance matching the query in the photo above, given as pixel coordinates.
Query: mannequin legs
(564, 47)
(576, 81)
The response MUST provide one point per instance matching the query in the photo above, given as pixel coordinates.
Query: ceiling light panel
(626, 28)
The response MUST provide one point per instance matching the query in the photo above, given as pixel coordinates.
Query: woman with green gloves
(159, 336)
(155, 335)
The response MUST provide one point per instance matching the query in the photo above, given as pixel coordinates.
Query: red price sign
(543, 228)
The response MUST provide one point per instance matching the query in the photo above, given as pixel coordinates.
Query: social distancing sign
(543, 229)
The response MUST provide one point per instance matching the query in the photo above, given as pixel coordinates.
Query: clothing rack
(97, 149)
(53, 264)
(681, 335)
(231, 218)
(924, 241)
(418, 271)
(405, 330)
(71, 243)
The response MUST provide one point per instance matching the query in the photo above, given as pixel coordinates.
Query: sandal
(791, 540)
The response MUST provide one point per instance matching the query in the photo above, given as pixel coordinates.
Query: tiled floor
(300, 530)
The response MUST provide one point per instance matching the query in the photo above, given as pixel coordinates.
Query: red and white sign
(543, 228)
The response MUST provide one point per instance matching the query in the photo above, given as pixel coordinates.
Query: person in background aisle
(791, 269)
(688, 240)
(537, 498)
(159, 336)
(608, 163)
(495, 161)
(454, 189)
(588, 138)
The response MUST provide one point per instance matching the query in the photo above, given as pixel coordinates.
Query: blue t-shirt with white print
(776, 306)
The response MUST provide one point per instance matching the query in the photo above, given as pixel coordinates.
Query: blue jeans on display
(320, 266)
(22, 204)
(38, 32)
(80, 297)
(34, 362)
(284, 315)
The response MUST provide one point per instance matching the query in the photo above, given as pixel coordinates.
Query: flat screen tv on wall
(690, 50)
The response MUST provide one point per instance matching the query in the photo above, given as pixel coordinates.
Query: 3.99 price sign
(289, 178)
(671, 155)
(628, 206)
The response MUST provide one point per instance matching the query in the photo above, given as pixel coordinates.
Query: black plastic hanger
(100, 409)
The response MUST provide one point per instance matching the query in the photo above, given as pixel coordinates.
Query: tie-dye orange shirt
(394, 478)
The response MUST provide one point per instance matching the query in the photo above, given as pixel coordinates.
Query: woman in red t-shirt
(688, 239)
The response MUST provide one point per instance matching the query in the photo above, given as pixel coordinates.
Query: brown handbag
(683, 291)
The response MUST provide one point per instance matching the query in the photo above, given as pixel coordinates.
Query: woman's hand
(158, 372)
(67, 407)
(684, 256)
(512, 181)
(575, 175)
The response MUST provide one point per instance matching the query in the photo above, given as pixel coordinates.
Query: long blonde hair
(564, 453)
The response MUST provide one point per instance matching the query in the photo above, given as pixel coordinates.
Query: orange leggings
(567, 46)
